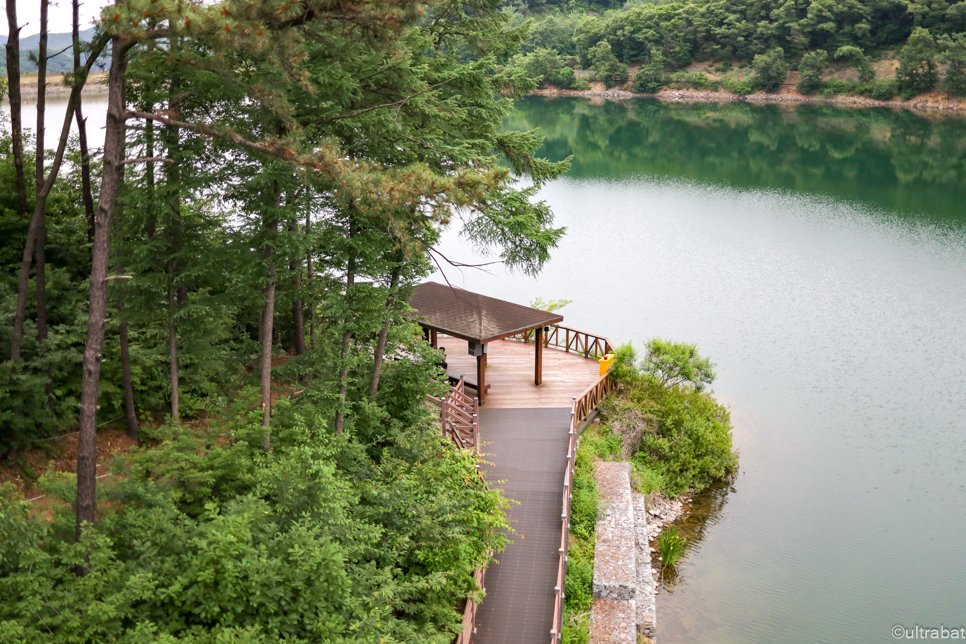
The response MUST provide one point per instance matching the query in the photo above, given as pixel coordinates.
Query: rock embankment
(623, 582)
(926, 103)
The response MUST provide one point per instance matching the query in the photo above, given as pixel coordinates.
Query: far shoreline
(96, 85)
(926, 103)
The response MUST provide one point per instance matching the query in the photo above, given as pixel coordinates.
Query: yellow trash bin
(606, 362)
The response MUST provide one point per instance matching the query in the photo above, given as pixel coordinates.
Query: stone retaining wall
(623, 585)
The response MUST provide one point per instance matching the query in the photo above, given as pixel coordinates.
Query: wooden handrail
(459, 419)
(569, 340)
(579, 410)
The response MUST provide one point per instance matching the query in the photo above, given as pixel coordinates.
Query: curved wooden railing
(569, 340)
(459, 418)
(579, 411)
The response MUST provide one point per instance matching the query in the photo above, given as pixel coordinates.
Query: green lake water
(818, 256)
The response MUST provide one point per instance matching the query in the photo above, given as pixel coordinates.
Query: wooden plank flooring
(509, 372)
(527, 449)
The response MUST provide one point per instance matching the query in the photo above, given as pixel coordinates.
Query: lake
(818, 256)
(94, 109)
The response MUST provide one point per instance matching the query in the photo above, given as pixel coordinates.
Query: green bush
(677, 363)
(605, 65)
(650, 78)
(693, 80)
(856, 58)
(738, 85)
(770, 70)
(208, 540)
(684, 435)
(811, 67)
(916, 72)
(547, 66)
(954, 55)
(691, 446)
(881, 89)
(834, 87)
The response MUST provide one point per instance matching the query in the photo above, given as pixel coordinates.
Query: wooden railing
(569, 340)
(558, 589)
(459, 418)
(579, 410)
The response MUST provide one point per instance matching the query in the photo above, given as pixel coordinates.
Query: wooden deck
(527, 450)
(509, 372)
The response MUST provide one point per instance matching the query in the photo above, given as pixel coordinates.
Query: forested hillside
(59, 51)
(228, 279)
(813, 36)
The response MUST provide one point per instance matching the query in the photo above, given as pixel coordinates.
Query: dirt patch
(59, 454)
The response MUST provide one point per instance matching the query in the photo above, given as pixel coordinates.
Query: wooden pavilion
(479, 320)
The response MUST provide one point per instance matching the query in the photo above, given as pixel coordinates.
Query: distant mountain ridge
(62, 62)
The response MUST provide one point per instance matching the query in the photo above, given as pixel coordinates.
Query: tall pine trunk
(40, 202)
(384, 332)
(84, 505)
(16, 101)
(87, 192)
(266, 330)
(308, 284)
(40, 248)
(172, 179)
(350, 277)
(298, 309)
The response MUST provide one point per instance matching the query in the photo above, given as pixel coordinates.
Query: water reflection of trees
(707, 511)
(890, 158)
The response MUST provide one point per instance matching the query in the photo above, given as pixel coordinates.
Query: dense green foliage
(211, 539)
(678, 435)
(770, 69)
(594, 445)
(289, 170)
(675, 34)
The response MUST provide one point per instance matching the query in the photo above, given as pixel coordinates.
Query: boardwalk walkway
(528, 449)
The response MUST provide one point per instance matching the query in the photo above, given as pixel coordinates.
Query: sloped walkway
(528, 449)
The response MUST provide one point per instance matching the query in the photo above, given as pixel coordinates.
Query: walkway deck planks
(528, 449)
(509, 372)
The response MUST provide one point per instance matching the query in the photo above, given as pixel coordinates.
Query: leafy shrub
(650, 78)
(770, 70)
(881, 89)
(954, 55)
(605, 65)
(693, 80)
(546, 66)
(677, 363)
(916, 72)
(856, 58)
(217, 540)
(834, 87)
(738, 85)
(691, 446)
(811, 67)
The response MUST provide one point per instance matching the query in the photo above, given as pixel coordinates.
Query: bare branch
(148, 160)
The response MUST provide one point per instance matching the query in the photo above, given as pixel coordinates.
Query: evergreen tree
(916, 72)
(954, 55)
(770, 70)
(811, 67)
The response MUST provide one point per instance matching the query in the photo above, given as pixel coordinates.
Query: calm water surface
(818, 255)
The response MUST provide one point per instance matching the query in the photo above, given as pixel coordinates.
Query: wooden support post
(538, 361)
(432, 338)
(481, 377)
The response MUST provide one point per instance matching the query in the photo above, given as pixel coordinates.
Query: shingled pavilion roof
(474, 317)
